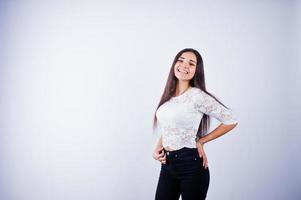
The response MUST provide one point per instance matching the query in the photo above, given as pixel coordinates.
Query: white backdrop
(80, 81)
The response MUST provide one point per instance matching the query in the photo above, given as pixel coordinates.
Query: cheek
(192, 71)
(175, 70)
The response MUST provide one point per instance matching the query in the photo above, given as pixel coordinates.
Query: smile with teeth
(184, 72)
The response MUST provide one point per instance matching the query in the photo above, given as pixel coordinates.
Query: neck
(182, 86)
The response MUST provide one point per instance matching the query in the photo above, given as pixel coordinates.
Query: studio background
(80, 82)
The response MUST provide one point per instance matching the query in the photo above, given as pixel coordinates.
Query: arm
(159, 143)
(158, 153)
(204, 103)
(219, 131)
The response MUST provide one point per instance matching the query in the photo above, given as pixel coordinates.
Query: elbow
(231, 125)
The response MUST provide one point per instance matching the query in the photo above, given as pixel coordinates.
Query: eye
(191, 64)
(180, 60)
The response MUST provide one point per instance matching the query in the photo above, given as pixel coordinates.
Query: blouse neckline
(183, 94)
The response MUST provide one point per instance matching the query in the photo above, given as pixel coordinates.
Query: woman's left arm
(217, 132)
(204, 103)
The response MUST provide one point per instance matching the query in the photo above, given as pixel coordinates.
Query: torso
(168, 149)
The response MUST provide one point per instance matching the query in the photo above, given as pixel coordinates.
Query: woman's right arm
(159, 154)
(159, 143)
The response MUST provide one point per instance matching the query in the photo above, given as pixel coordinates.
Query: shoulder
(196, 94)
(196, 90)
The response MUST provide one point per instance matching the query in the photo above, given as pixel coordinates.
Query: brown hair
(198, 81)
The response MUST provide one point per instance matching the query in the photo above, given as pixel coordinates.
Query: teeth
(184, 72)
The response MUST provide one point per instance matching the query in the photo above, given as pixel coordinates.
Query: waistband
(180, 152)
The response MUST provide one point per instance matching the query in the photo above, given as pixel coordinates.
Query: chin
(183, 79)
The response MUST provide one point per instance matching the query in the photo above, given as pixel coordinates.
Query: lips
(183, 72)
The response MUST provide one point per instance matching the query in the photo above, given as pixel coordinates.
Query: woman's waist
(184, 151)
(172, 143)
(181, 156)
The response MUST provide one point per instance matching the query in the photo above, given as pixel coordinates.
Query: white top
(179, 118)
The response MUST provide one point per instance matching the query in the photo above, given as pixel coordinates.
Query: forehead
(189, 56)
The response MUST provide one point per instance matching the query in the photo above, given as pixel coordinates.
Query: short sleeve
(204, 103)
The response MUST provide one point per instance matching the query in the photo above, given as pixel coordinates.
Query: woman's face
(185, 66)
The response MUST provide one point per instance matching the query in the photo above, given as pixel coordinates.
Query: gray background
(80, 81)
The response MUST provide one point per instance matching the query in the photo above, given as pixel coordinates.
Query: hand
(160, 155)
(202, 153)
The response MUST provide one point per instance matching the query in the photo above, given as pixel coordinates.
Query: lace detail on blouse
(204, 103)
(179, 118)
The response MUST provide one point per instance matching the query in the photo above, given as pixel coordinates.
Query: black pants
(183, 174)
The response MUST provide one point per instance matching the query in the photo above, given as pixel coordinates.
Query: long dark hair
(198, 81)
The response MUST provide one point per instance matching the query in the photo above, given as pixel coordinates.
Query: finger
(162, 158)
(200, 154)
(205, 163)
(158, 149)
(155, 156)
(158, 153)
(162, 153)
(158, 156)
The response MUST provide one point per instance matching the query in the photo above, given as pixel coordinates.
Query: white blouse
(178, 119)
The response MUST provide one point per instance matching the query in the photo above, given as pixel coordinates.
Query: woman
(182, 118)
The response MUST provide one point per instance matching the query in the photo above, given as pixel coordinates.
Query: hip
(184, 160)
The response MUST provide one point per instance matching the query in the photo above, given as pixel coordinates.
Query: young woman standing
(183, 119)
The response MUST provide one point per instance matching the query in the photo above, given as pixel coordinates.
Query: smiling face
(185, 66)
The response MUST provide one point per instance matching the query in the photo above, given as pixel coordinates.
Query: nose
(185, 65)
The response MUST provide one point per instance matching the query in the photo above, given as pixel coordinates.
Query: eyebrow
(190, 60)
